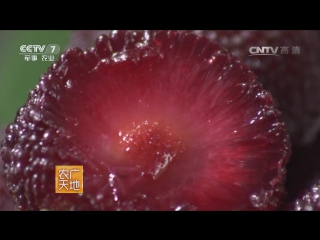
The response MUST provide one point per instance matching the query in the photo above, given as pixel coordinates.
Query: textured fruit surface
(309, 201)
(292, 78)
(6, 203)
(160, 120)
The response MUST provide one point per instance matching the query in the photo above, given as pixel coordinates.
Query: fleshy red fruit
(292, 78)
(294, 81)
(5, 201)
(160, 120)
